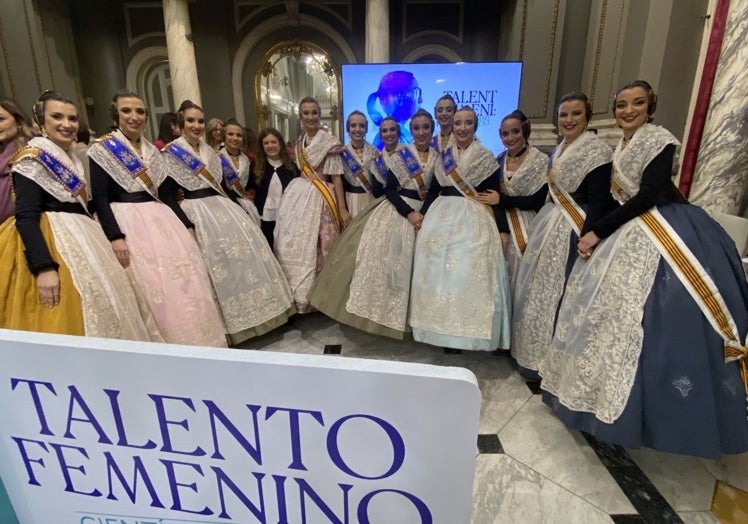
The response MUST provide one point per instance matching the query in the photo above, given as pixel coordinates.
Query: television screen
(399, 90)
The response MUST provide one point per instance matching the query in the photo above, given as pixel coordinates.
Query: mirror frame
(295, 49)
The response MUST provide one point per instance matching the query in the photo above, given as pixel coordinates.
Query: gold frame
(296, 48)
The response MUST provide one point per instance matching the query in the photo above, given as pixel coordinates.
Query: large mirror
(288, 72)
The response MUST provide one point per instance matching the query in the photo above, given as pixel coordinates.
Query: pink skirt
(166, 265)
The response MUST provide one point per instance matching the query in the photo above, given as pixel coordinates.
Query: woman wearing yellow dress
(58, 273)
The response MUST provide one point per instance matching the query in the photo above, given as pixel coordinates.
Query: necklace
(513, 162)
(423, 156)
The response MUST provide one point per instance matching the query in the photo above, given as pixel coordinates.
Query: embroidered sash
(571, 211)
(518, 230)
(699, 285)
(231, 176)
(356, 168)
(132, 163)
(63, 173)
(414, 167)
(380, 166)
(450, 168)
(310, 174)
(195, 165)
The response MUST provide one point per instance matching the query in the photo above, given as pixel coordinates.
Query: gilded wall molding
(522, 32)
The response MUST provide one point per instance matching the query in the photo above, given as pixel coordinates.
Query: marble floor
(530, 468)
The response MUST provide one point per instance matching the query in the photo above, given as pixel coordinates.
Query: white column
(377, 31)
(181, 51)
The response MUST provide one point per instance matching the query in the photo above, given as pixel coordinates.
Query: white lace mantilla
(586, 153)
(648, 142)
(400, 170)
(369, 154)
(151, 157)
(36, 171)
(530, 176)
(318, 153)
(591, 364)
(475, 164)
(177, 170)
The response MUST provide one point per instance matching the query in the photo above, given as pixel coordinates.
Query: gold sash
(517, 229)
(699, 285)
(311, 175)
(574, 214)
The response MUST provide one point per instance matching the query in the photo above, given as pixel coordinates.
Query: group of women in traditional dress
(627, 303)
(152, 247)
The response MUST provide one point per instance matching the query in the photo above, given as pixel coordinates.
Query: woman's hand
(586, 244)
(121, 251)
(416, 220)
(48, 285)
(489, 197)
(345, 217)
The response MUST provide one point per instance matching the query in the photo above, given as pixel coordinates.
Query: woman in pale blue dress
(460, 288)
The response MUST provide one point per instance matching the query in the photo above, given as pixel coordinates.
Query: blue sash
(435, 142)
(381, 166)
(63, 173)
(132, 163)
(194, 164)
(231, 176)
(413, 165)
(356, 168)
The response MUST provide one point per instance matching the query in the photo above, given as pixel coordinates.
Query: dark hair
(41, 102)
(577, 95)
(356, 112)
(165, 133)
(187, 104)
(261, 158)
(397, 124)
(524, 122)
(651, 96)
(475, 115)
(84, 133)
(250, 140)
(233, 122)
(123, 93)
(449, 97)
(420, 113)
(309, 100)
(25, 132)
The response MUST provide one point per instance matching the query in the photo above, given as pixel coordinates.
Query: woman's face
(194, 124)
(357, 128)
(8, 126)
(131, 116)
(271, 146)
(309, 113)
(572, 119)
(445, 112)
(631, 109)
(511, 135)
(234, 137)
(464, 128)
(420, 127)
(60, 122)
(388, 134)
(217, 133)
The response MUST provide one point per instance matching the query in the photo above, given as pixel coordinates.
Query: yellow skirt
(20, 305)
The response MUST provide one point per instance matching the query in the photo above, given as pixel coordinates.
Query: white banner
(103, 431)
